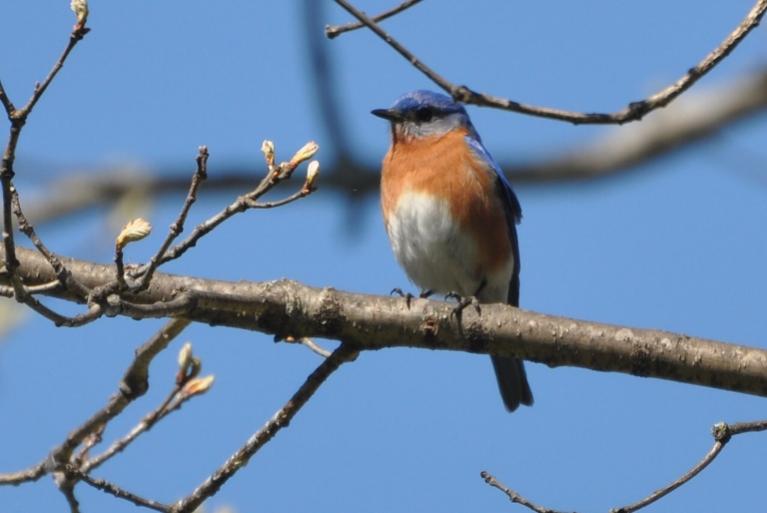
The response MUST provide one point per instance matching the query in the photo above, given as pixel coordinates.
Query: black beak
(390, 114)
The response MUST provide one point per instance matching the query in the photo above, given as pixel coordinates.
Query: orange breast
(445, 167)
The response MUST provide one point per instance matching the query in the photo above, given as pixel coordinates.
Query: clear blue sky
(679, 245)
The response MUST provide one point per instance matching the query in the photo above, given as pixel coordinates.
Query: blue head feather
(423, 98)
(425, 113)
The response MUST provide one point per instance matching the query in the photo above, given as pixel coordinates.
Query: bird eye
(424, 114)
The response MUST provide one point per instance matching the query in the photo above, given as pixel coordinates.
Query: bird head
(424, 114)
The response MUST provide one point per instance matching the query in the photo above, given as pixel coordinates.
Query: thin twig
(6, 181)
(7, 103)
(325, 87)
(89, 443)
(67, 488)
(51, 286)
(135, 382)
(23, 476)
(691, 119)
(75, 37)
(11, 203)
(398, 47)
(512, 495)
(314, 347)
(146, 423)
(120, 267)
(22, 296)
(726, 431)
(200, 174)
(133, 385)
(281, 202)
(63, 275)
(280, 420)
(662, 492)
(332, 31)
(113, 489)
(275, 176)
(633, 112)
(202, 229)
(722, 433)
(18, 118)
(94, 311)
(309, 343)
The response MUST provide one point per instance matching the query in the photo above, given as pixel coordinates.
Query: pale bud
(198, 386)
(312, 172)
(185, 356)
(267, 148)
(80, 8)
(305, 153)
(135, 230)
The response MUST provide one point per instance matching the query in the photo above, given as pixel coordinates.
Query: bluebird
(451, 214)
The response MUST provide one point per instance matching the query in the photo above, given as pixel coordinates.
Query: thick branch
(287, 308)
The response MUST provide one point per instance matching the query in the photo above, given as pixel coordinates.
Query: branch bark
(286, 308)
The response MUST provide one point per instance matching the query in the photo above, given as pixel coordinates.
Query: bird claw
(424, 294)
(463, 302)
(399, 292)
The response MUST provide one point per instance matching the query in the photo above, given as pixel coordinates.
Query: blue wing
(510, 201)
(510, 372)
(510, 205)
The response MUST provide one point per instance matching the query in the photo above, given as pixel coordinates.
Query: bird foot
(463, 302)
(425, 293)
(396, 291)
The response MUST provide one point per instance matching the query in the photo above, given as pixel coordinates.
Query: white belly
(435, 254)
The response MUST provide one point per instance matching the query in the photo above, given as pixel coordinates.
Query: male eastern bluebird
(451, 214)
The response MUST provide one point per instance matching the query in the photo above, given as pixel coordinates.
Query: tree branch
(280, 420)
(133, 385)
(513, 495)
(333, 31)
(120, 493)
(286, 308)
(200, 174)
(722, 433)
(693, 118)
(633, 112)
(12, 202)
(172, 402)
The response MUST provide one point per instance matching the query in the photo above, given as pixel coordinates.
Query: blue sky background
(679, 244)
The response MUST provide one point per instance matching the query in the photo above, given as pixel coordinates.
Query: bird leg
(463, 302)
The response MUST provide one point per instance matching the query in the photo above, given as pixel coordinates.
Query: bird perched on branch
(451, 214)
